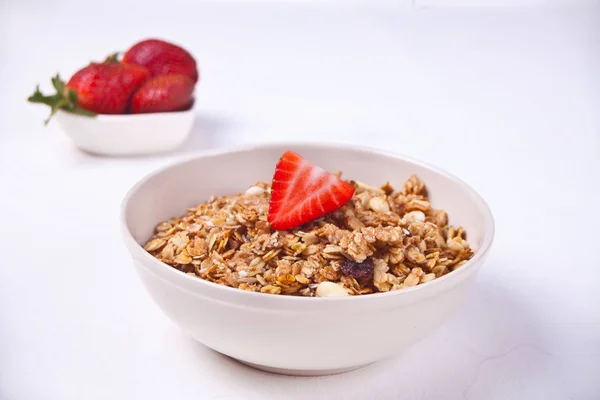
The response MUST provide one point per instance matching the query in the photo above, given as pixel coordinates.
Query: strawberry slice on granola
(302, 192)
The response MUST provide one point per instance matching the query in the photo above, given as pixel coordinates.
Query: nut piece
(253, 191)
(379, 204)
(413, 216)
(330, 289)
(380, 241)
(361, 187)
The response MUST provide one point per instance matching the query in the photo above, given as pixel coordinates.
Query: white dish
(296, 335)
(131, 134)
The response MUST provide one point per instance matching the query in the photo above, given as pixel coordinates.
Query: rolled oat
(380, 241)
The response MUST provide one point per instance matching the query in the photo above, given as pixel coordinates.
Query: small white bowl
(131, 134)
(297, 335)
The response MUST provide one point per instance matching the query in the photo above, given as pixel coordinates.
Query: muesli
(378, 240)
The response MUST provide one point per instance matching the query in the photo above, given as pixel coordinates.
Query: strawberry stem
(64, 99)
(113, 58)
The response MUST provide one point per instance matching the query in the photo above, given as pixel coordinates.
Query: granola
(381, 240)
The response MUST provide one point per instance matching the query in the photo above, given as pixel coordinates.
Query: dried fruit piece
(358, 270)
(352, 251)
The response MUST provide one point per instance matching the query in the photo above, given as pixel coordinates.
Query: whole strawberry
(99, 88)
(162, 58)
(162, 94)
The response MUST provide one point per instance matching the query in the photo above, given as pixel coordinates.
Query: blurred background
(463, 84)
(342, 70)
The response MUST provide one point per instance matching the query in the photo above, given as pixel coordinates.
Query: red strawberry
(163, 93)
(105, 88)
(302, 192)
(102, 88)
(162, 58)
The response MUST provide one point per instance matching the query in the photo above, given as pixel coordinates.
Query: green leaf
(38, 97)
(72, 97)
(113, 58)
(65, 100)
(80, 111)
(58, 84)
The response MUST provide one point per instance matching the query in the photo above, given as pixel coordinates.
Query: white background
(508, 98)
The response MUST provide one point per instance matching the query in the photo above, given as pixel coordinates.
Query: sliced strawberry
(302, 192)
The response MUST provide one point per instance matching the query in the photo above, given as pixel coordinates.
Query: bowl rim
(116, 117)
(488, 225)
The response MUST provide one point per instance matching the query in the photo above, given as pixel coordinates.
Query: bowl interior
(169, 192)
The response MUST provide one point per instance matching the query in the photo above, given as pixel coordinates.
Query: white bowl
(131, 134)
(297, 335)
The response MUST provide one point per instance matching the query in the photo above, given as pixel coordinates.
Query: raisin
(358, 270)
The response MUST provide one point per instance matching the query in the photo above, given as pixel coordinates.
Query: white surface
(502, 3)
(507, 100)
(296, 330)
(123, 135)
